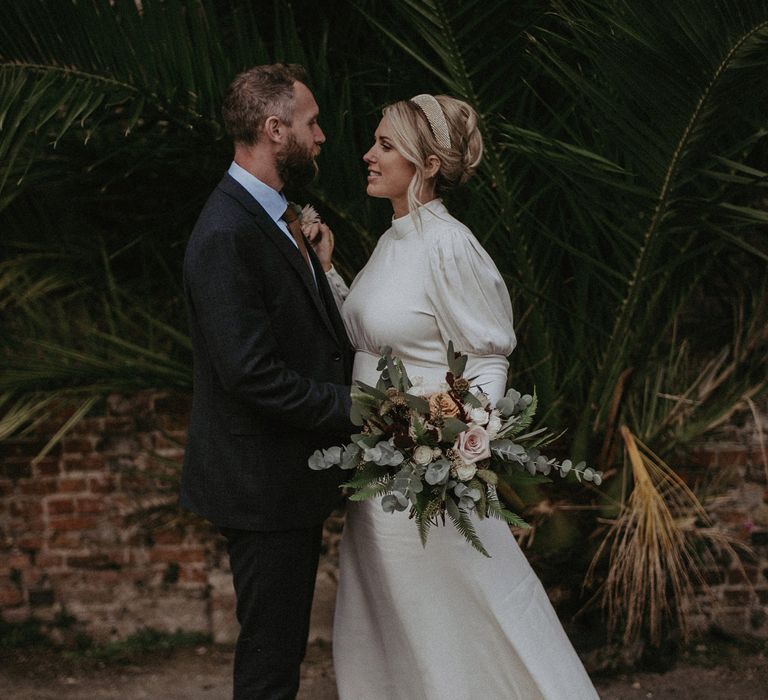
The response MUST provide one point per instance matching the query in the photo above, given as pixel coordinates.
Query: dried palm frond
(653, 572)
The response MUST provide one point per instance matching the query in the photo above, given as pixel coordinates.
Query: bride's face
(389, 173)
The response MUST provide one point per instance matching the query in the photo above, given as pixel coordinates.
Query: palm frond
(653, 573)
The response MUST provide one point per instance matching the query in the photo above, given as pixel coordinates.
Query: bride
(441, 623)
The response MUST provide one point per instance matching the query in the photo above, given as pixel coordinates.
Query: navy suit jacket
(272, 367)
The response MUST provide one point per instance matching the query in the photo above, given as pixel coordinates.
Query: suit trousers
(274, 579)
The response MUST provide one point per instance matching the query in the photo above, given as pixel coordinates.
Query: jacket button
(337, 357)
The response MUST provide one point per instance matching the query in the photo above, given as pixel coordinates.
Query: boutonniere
(307, 216)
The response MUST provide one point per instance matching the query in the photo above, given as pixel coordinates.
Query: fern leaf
(461, 520)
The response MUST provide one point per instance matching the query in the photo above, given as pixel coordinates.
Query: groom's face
(296, 160)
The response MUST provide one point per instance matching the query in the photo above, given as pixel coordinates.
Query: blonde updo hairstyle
(414, 139)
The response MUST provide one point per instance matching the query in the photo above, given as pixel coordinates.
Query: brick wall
(90, 532)
(731, 472)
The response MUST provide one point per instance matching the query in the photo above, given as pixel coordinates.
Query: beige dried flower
(442, 406)
(308, 217)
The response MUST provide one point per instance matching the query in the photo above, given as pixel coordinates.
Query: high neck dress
(441, 622)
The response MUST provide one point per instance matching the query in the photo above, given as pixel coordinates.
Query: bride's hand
(320, 237)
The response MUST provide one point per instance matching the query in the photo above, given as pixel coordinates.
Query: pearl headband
(436, 118)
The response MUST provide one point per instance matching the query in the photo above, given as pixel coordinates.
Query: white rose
(418, 388)
(473, 445)
(478, 416)
(437, 453)
(422, 455)
(464, 471)
(494, 425)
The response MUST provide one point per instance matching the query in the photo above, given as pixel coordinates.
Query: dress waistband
(366, 364)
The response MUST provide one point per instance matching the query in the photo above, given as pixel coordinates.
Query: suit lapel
(291, 253)
(329, 302)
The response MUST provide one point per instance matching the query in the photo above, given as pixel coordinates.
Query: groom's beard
(296, 165)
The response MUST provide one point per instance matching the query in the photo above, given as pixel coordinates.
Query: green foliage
(463, 524)
(366, 494)
(621, 194)
(145, 642)
(610, 184)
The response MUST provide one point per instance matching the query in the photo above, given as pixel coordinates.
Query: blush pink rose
(473, 445)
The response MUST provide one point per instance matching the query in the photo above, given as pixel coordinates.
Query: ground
(203, 673)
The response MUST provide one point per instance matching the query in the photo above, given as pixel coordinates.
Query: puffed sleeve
(471, 306)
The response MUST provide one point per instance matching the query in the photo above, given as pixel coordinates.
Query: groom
(272, 367)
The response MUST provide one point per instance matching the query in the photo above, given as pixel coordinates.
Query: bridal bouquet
(444, 453)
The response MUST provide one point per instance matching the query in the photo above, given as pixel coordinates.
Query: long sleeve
(471, 305)
(338, 286)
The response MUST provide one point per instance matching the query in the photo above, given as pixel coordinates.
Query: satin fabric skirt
(445, 622)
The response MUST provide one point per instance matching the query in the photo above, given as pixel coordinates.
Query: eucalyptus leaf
(438, 472)
(452, 427)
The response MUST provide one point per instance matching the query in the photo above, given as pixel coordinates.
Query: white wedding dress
(445, 622)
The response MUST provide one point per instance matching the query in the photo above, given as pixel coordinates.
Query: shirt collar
(274, 202)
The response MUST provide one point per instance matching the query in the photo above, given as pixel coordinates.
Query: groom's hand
(320, 238)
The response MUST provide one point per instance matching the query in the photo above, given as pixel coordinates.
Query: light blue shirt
(274, 202)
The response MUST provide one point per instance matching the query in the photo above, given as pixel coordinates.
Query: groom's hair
(259, 93)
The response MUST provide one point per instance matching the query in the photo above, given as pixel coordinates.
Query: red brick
(65, 539)
(20, 561)
(48, 466)
(10, 595)
(31, 540)
(77, 444)
(120, 557)
(176, 555)
(137, 482)
(60, 506)
(91, 425)
(75, 523)
(168, 537)
(6, 487)
(91, 462)
(37, 487)
(104, 484)
(49, 561)
(105, 577)
(26, 508)
(90, 505)
(119, 425)
(72, 485)
(189, 575)
(32, 578)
